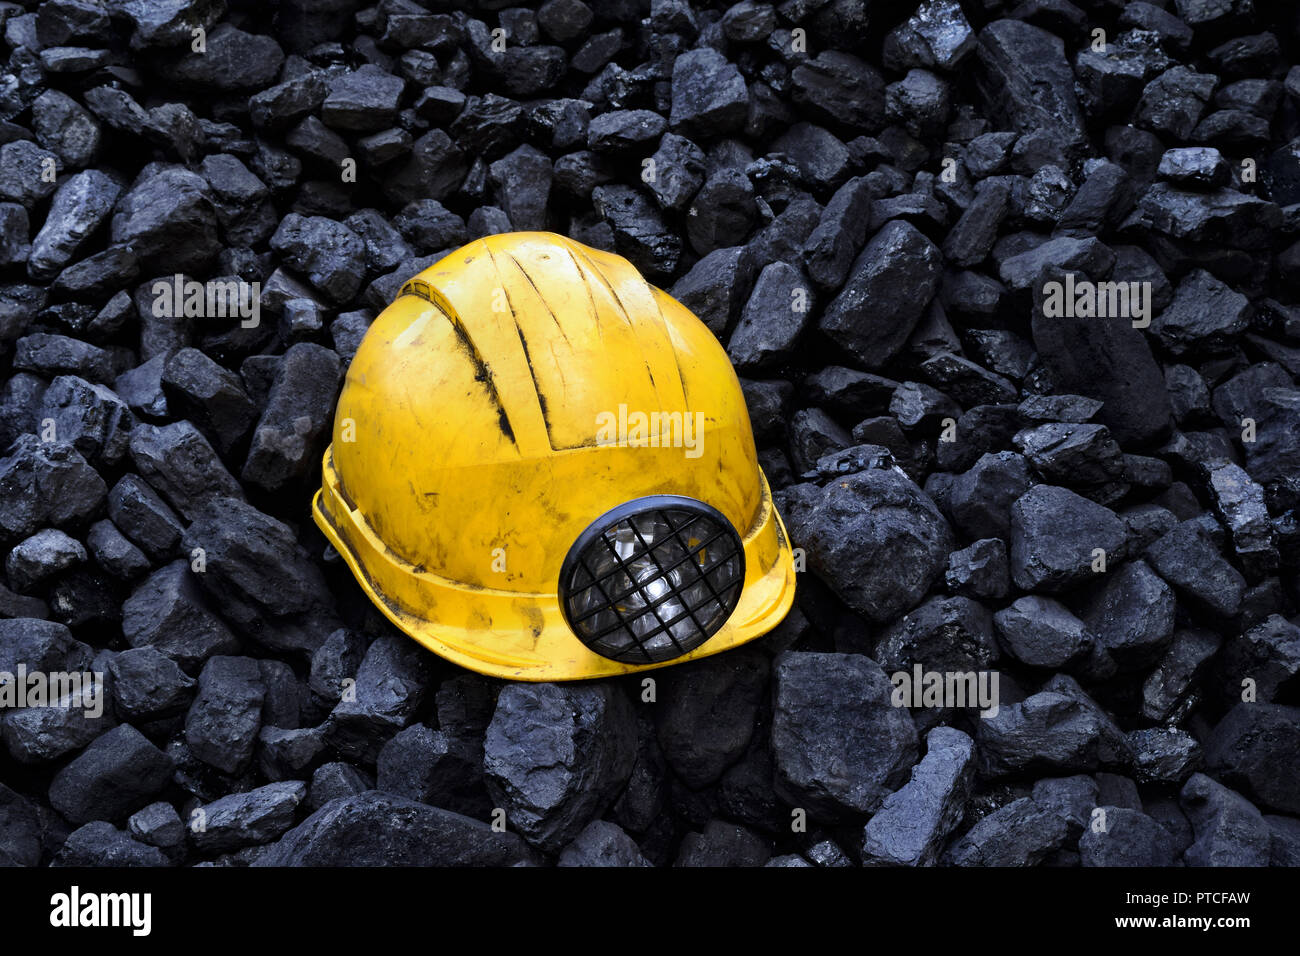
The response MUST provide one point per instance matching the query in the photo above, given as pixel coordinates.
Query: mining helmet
(542, 468)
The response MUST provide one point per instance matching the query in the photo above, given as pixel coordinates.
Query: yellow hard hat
(542, 469)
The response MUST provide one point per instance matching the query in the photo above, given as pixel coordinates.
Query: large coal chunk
(390, 684)
(116, 775)
(46, 483)
(233, 60)
(1020, 834)
(1054, 537)
(1188, 558)
(1041, 632)
(640, 233)
(913, 823)
(168, 221)
(1132, 616)
(178, 461)
(1026, 82)
(1109, 360)
(63, 724)
(888, 289)
(260, 577)
(1129, 838)
(839, 744)
(331, 255)
(1256, 748)
(80, 205)
(1229, 829)
(289, 438)
(707, 711)
(246, 819)
(602, 844)
(556, 755)
(380, 829)
(147, 685)
(837, 87)
(101, 844)
(1058, 729)
(90, 416)
(709, 97)
(437, 767)
(943, 634)
(211, 396)
(222, 723)
(874, 536)
(20, 830)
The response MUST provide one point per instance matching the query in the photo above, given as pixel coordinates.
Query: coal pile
(1013, 289)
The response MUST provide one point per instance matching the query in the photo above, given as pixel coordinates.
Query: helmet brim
(524, 636)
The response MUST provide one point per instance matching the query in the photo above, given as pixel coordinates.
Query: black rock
(980, 498)
(1132, 616)
(114, 553)
(102, 844)
(1255, 748)
(1165, 692)
(1021, 833)
(233, 60)
(888, 288)
(46, 483)
(936, 35)
(602, 843)
(1188, 559)
(157, 825)
(1164, 755)
(772, 320)
(390, 684)
(1026, 82)
(979, 571)
(640, 233)
(1127, 838)
(148, 685)
(823, 161)
(913, 822)
(556, 755)
(1268, 653)
(435, 767)
(168, 221)
(364, 100)
(113, 777)
(24, 178)
(378, 829)
(260, 576)
(211, 396)
(52, 355)
(839, 88)
(832, 246)
(522, 180)
(290, 435)
(1058, 729)
(222, 723)
(46, 553)
(943, 634)
(706, 712)
(1042, 632)
(1229, 830)
(1072, 454)
(144, 517)
(1054, 536)
(246, 819)
(81, 204)
(1172, 103)
(874, 537)
(838, 743)
(178, 461)
(709, 97)
(723, 844)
